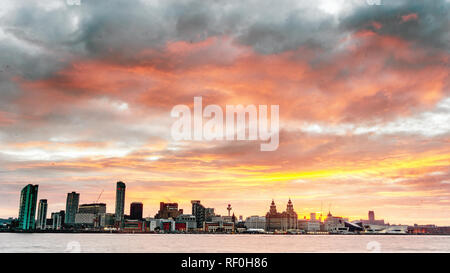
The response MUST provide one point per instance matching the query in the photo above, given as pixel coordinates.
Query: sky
(363, 91)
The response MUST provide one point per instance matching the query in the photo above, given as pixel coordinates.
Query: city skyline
(362, 92)
(139, 208)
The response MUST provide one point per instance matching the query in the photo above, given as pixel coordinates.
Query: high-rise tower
(120, 202)
(73, 199)
(27, 209)
(42, 214)
(136, 209)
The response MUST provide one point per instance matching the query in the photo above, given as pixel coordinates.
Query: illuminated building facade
(27, 209)
(276, 221)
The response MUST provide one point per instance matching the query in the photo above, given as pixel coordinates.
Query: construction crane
(99, 196)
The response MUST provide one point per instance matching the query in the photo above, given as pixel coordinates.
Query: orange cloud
(410, 17)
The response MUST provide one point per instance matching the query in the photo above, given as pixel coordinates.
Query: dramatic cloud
(86, 93)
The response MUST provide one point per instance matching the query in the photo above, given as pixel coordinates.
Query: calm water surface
(13, 242)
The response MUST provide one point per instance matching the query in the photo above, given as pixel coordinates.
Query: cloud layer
(86, 93)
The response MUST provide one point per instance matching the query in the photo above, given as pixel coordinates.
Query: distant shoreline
(206, 233)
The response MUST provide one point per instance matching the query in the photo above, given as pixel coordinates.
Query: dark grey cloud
(430, 29)
(41, 33)
(40, 38)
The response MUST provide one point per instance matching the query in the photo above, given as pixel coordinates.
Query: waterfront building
(335, 224)
(228, 218)
(7, 223)
(58, 220)
(372, 220)
(255, 222)
(106, 220)
(88, 215)
(165, 225)
(151, 224)
(428, 229)
(168, 210)
(219, 226)
(386, 229)
(132, 225)
(85, 220)
(136, 209)
(188, 220)
(49, 223)
(120, 203)
(94, 208)
(41, 221)
(27, 209)
(291, 216)
(201, 213)
(240, 227)
(284, 221)
(309, 225)
(219, 223)
(169, 225)
(209, 213)
(198, 210)
(181, 226)
(72, 202)
(371, 216)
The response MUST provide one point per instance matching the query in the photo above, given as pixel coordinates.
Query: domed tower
(291, 216)
(273, 208)
(290, 206)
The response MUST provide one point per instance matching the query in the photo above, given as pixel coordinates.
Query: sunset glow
(363, 94)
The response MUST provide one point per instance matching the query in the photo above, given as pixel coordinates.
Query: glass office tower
(120, 202)
(27, 210)
(72, 202)
(41, 220)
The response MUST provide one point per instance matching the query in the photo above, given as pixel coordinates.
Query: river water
(205, 243)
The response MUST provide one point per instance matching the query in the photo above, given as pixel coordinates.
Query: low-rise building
(94, 208)
(429, 229)
(49, 223)
(309, 225)
(151, 224)
(226, 227)
(166, 225)
(168, 210)
(335, 224)
(189, 221)
(131, 225)
(106, 220)
(85, 220)
(255, 222)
